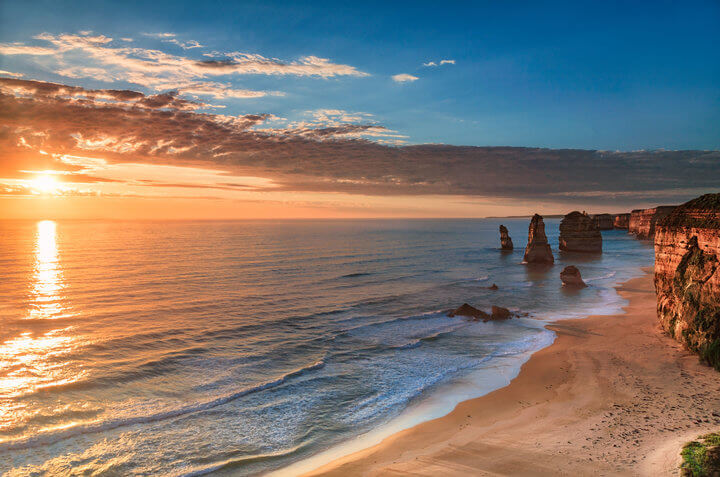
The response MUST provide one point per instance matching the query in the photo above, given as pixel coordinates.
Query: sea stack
(603, 221)
(505, 240)
(642, 221)
(579, 233)
(570, 277)
(538, 248)
(621, 221)
(687, 276)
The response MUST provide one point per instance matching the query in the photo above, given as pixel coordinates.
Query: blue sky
(594, 75)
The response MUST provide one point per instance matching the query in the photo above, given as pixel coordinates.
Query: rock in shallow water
(500, 313)
(570, 277)
(469, 311)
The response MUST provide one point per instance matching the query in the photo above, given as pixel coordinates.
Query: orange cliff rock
(621, 221)
(687, 275)
(642, 221)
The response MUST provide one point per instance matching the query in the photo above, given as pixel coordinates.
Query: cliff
(538, 248)
(687, 275)
(603, 221)
(579, 233)
(621, 221)
(642, 221)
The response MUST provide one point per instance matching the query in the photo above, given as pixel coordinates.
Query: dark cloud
(331, 159)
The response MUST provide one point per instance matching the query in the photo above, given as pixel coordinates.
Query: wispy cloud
(10, 73)
(21, 49)
(439, 63)
(404, 78)
(107, 60)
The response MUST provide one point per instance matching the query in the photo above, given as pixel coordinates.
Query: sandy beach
(611, 396)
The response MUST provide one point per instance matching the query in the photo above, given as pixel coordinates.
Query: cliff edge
(687, 275)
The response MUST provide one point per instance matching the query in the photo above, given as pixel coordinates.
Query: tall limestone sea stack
(505, 240)
(687, 275)
(580, 233)
(538, 248)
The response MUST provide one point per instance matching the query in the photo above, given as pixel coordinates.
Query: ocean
(242, 347)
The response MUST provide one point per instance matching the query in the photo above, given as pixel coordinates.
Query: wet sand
(612, 396)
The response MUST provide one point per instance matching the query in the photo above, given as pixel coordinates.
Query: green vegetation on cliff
(707, 203)
(701, 458)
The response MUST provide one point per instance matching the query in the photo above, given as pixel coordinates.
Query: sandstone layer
(687, 276)
(642, 221)
(538, 249)
(579, 233)
(505, 240)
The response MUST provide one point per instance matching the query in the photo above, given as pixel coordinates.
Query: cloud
(109, 60)
(9, 73)
(20, 49)
(404, 78)
(439, 63)
(330, 151)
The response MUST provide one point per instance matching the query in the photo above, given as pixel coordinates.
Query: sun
(45, 183)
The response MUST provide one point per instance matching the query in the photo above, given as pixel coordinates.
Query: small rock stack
(505, 240)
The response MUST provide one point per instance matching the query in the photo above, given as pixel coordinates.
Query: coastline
(611, 395)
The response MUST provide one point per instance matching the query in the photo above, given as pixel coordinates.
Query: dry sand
(612, 395)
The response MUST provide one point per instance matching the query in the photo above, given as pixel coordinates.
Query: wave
(603, 277)
(354, 275)
(51, 437)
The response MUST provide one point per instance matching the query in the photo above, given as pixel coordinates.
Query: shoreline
(611, 395)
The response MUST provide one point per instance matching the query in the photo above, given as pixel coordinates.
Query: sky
(372, 109)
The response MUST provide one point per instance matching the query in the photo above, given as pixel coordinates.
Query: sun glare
(45, 183)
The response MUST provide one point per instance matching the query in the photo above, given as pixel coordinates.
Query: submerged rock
(538, 249)
(687, 276)
(580, 233)
(505, 240)
(500, 313)
(570, 277)
(469, 311)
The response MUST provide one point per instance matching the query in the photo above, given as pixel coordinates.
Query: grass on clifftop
(697, 461)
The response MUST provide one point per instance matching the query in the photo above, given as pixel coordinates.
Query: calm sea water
(181, 348)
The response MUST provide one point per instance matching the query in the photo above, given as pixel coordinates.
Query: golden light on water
(47, 287)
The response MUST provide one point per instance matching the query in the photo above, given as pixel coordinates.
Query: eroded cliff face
(579, 233)
(621, 221)
(687, 276)
(642, 221)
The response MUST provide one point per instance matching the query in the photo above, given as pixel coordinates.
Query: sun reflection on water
(46, 292)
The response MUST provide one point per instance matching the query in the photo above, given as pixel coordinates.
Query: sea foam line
(50, 437)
